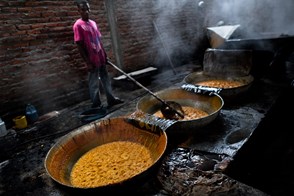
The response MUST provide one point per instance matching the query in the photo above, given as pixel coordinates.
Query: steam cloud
(255, 15)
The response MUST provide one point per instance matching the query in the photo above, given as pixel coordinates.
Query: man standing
(88, 39)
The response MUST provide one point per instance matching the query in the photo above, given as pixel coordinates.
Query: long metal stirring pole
(139, 84)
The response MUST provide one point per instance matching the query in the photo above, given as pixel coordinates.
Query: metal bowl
(227, 94)
(211, 104)
(68, 149)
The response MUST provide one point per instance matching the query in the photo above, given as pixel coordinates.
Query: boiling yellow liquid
(110, 163)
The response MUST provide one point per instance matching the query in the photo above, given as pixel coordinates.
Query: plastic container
(31, 114)
(20, 122)
(3, 130)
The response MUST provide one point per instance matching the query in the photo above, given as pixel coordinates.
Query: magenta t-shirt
(88, 32)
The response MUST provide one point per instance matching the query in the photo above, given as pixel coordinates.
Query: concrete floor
(67, 119)
(23, 151)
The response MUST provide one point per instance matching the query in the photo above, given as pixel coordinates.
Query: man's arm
(84, 55)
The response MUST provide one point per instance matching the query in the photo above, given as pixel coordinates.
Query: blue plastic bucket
(31, 114)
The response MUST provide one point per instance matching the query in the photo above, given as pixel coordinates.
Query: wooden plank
(136, 73)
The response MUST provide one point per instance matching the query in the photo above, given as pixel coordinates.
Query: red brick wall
(40, 64)
(140, 41)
